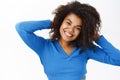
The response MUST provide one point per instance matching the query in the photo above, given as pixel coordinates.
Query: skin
(69, 31)
(96, 36)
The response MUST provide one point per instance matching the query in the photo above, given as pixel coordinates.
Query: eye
(68, 23)
(78, 27)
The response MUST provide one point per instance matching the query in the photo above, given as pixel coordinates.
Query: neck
(66, 46)
(64, 43)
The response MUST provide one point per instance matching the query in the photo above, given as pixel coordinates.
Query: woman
(74, 39)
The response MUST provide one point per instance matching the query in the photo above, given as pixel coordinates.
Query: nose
(71, 29)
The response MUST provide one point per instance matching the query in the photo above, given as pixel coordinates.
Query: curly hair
(90, 18)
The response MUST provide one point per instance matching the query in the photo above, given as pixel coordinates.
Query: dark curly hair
(90, 18)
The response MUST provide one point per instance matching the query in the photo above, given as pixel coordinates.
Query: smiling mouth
(68, 34)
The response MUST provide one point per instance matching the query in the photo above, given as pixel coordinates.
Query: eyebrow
(71, 22)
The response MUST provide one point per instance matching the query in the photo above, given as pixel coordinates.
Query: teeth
(68, 34)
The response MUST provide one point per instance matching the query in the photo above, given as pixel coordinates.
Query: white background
(18, 62)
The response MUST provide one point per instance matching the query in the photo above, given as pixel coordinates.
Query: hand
(96, 36)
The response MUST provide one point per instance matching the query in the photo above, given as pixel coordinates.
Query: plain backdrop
(19, 62)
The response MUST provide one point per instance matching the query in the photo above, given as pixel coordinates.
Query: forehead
(73, 18)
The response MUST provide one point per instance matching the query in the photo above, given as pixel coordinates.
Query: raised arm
(105, 52)
(26, 31)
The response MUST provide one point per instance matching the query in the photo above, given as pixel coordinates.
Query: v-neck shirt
(61, 50)
(57, 64)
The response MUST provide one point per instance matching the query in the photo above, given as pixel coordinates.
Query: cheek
(63, 26)
(61, 30)
(77, 32)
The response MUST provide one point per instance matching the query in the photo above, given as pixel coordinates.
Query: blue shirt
(57, 64)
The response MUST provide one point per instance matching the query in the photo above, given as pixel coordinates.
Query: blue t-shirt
(57, 64)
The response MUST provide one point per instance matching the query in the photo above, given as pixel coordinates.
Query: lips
(68, 34)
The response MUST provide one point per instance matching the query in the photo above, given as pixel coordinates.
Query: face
(70, 27)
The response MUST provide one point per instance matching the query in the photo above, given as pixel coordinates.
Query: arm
(106, 52)
(26, 31)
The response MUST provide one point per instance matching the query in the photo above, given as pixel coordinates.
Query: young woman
(74, 39)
